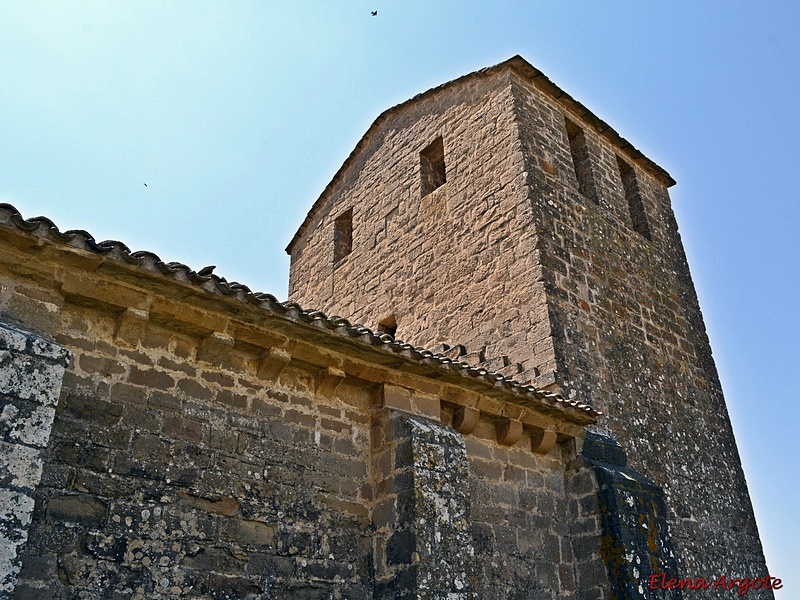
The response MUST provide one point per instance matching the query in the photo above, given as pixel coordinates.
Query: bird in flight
(145, 185)
(374, 13)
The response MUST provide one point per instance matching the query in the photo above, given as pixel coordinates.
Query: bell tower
(497, 220)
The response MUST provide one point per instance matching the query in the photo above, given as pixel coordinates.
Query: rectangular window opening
(388, 325)
(634, 198)
(581, 161)
(432, 169)
(343, 236)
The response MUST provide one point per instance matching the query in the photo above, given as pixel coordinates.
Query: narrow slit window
(581, 161)
(343, 236)
(432, 169)
(634, 198)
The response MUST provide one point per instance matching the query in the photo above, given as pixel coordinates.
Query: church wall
(203, 447)
(534, 522)
(174, 469)
(166, 477)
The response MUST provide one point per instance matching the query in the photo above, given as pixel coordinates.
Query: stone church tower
(498, 221)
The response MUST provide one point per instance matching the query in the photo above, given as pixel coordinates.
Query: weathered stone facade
(550, 253)
(209, 442)
(31, 372)
(188, 438)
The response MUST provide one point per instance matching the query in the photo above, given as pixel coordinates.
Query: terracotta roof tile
(45, 229)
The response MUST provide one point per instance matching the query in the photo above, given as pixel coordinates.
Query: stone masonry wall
(523, 519)
(510, 267)
(204, 447)
(469, 517)
(446, 266)
(629, 337)
(172, 477)
(31, 372)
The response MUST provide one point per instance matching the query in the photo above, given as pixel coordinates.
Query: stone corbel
(543, 441)
(328, 380)
(130, 325)
(215, 348)
(465, 419)
(272, 363)
(509, 431)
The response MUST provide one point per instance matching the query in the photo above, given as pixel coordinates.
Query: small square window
(432, 169)
(388, 325)
(343, 236)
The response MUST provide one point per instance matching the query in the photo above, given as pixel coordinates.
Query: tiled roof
(46, 230)
(527, 70)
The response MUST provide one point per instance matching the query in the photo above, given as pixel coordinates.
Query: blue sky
(237, 114)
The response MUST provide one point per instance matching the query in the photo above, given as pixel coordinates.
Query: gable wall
(446, 265)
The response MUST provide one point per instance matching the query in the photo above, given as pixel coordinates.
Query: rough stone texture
(628, 334)
(203, 446)
(232, 489)
(590, 574)
(31, 373)
(519, 520)
(210, 443)
(171, 477)
(509, 266)
(636, 542)
(423, 545)
(459, 232)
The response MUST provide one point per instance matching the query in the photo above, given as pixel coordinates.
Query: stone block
(397, 398)
(30, 378)
(272, 363)
(543, 441)
(216, 348)
(229, 398)
(221, 506)
(94, 410)
(82, 509)
(37, 314)
(151, 378)
(211, 558)
(485, 469)
(164, 401)
(194, 389)
(220, 379)
(254, 533)
(136, 356)
(182, 428)
(20, 467)
(26, 422)
(130, 325)
(426, 405)
(400, 547)
(328, 381)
